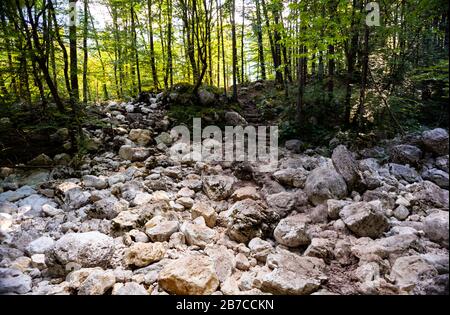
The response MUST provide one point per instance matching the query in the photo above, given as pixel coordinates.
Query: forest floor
(129, 219)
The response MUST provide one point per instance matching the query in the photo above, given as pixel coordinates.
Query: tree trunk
(74, 92)
(260, 41)
(234, 48)
(85, 52)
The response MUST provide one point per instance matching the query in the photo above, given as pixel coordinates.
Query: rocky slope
(132, 221)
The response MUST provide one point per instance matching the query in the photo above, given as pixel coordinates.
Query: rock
(335, 206)
(365, 219)
(164, 138)
(292, 231)
(108, 208)
(186, 193)
(73, 195)
(247, 192)
(320, 248)
(94, 181)
(40, 245)
(186, 202)
(401, 212)
(292, 274)
(429, 195)
(132, 154)
(197, 234)
(38, 261)
(293, 145)
(325, 183)
(206, 97)
(51, 211)
(129, 288)
(409, 271)
(142, 198)
(6, 220)
(223, 260)
(14, 281)
(41, 160)
(97, 283)
(126, 220)
(218, 187)
(140, 136)
(404, 172)
(436, 176)
(346, 165)
(162, 231)
(88, 249)
(260, 249)
(436, 141)
(248, 219)
(284, 202)
(442, 163)
(406, 154)
(436, 227)
(143, 254)
(242, 262)
(291, 177)
(36, 202)
(7, 207)
(234, 119)
(204, 210)
(189, 275)
(14, 195)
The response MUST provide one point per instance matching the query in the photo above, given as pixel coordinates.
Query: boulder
(133, 154)
(14, 281)
(162, 231)
(197, 234)
(406, 154)
(40, 245)
(97, 283)
(437, 176)
(129, 288)
(218, 187)
(36, 202)
(234, 119)
(325, 183)
(140, 136)
(436, 141)
(89, 249)
(94, 181)
(292, 177)
(409, 271)
(346, 165)
(260, 249)
(223, 259)
(294, 145)
(247, 192)
(14, 195)
(365, 219)
(285, 202)
(201, 209)
(108, 208)
(428, 195)
(292, 274)
(436, 227)
(144, 254)
(248, 219)
(292, 231)
(189, 275)
(404, 172)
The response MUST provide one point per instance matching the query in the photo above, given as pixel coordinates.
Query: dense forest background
(330, 72)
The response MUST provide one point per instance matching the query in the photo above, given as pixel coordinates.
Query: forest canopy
(58, 57)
